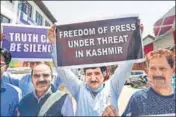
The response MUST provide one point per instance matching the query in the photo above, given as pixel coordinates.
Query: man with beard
(42, 101)
(159, 99)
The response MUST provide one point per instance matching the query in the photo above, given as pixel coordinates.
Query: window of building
(4, 19)
(47, 24)
(25, 7)
(38, 19)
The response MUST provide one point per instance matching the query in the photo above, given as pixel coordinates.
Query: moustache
(93, 81)
(158, 78)
(41, 82)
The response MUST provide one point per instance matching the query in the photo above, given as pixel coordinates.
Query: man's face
(3, 65)
(41, 78)
(94, 78)
(160, 72)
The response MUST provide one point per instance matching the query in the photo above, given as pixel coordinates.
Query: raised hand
(110, 111)
(2, 36)
(51, 34)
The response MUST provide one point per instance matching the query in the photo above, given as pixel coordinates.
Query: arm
(120, 76)
(1, 36)
(16, 104)
(56, 81)
(67, 77)
(11, 78)
(67, 108)
(118, 80)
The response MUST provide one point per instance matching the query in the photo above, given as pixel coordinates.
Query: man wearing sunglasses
(42, 101)
(10, 95)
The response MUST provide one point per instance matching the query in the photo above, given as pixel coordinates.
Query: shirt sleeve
(118, 80)
(132, 108)
(67, 108)
(57, 81)
(16, 104)
(67, 77)
(12, 78)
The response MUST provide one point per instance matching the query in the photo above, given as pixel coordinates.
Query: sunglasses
(39, 75)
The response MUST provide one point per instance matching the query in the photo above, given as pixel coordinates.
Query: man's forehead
(93, 69)
(41, 68)
(158, 59)
(41, 71)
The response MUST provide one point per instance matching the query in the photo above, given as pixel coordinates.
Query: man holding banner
(93, 95)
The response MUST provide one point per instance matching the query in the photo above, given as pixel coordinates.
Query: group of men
(94, 96)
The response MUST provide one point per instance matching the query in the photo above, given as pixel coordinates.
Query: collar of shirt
(3, 86)
(38, 99)
(163, 96)
(96, 91)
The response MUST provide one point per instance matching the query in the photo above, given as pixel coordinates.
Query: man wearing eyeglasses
(42, 101)
(10, 95)
(24, 82)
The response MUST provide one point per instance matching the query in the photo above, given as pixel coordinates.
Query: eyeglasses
(2, 64)
(39, 75)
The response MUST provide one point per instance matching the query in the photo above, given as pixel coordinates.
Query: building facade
(148, 43)
(165, 35)
(164, 30)
(26, 12)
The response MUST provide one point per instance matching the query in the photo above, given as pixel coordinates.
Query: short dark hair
(103, 68)
(6, 54)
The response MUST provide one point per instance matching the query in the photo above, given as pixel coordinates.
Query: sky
(76, 11)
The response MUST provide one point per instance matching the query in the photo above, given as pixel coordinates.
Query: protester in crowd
(24, 82)
(43, 101)
(93, 95)
(10, 95)
(26, 85)
(159, 98)
(6, 76)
